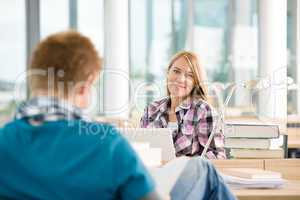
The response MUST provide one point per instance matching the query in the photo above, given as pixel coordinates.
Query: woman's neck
(175, 102)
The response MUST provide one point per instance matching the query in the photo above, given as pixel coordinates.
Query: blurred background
(236, 41)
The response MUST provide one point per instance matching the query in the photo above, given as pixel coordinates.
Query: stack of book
(252, 140)
(238, 178)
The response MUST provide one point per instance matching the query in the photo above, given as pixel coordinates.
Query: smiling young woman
(186, 110)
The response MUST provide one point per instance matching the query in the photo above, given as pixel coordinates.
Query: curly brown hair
(65, 59)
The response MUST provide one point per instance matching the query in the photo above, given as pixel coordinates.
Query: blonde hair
(199, 90)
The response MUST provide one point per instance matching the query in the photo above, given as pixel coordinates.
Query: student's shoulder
(109, 137)
(94, 128)
(10, 126)
(104, 136)
(10, 130)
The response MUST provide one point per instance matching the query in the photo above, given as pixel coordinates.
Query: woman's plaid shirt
(195, 119)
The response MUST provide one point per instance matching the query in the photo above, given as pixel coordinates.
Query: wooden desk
(294, 144)
(289, 168)
(239, 163)
(290, 191)
(293, 137)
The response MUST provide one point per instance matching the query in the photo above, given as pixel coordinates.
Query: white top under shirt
(172, 125)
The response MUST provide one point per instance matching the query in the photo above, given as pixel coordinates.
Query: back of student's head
(62, 61)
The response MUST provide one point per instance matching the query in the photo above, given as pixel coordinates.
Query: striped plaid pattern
(196, 120)
(44, 108)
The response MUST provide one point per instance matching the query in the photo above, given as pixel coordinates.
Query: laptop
(156, 137)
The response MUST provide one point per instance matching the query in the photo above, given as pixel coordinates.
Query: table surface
(289, 168)
(290, 191)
